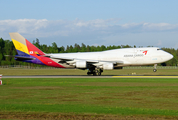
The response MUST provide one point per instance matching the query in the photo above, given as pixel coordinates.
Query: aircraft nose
(166, 56)
(169, 56)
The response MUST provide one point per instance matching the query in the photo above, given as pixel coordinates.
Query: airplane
(95, 62)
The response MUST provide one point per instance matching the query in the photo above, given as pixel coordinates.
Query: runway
(80, 76)
(145, 76)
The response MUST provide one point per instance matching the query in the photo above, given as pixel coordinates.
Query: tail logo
(31, 52)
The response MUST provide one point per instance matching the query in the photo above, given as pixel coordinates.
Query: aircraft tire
(99, 73)
(94, 74)
(154, 70)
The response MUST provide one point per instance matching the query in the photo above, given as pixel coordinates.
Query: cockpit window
(159, 49)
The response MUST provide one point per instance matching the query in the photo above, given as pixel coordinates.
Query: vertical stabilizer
(23, 46)
(27, 52)
(19, 43)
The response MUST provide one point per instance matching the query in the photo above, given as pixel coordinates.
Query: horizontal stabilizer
(20, 58)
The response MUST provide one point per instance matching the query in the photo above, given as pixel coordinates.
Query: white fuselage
(122, 57)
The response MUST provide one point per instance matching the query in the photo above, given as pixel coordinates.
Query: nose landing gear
(154, 70)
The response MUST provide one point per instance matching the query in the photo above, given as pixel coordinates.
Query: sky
(92, 22)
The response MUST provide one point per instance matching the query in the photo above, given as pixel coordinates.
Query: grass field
(12, 71)
(86, 98)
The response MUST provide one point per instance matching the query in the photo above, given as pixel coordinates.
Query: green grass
(97, 96)
(12, 71)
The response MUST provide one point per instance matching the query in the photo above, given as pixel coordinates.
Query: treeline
(7, 48)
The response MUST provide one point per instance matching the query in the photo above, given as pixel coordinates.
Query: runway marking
(145, 76)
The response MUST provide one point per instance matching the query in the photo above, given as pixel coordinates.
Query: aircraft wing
(94, 62)
(59, 58)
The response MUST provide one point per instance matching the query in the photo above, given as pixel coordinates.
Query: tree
(103, 48)
(44, 48)
(37, 43)
(62, 49)
(55, 48)
(83, 48)
(2, 45)
(76, 48)
(88, 48)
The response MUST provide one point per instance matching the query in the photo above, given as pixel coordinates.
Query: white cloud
(23, 25)
(160, 26)
(97, 31)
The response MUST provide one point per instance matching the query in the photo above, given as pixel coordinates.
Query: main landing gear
(154, 70)
(94, 71)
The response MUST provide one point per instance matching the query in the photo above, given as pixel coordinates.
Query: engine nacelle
(108, 66)
(81, 64)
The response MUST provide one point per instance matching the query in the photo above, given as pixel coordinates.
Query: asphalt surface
(85, 76)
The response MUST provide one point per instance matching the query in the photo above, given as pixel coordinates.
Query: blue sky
(92, 22)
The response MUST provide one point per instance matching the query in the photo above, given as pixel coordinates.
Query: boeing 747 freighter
(95, 62)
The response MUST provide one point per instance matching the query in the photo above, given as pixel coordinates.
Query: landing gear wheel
(99, 73)
(95, 72)
(154, 70)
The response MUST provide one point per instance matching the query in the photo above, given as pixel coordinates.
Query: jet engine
(108, 66)
(81, 64)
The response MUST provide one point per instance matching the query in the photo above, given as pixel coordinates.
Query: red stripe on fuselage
(47, 61)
